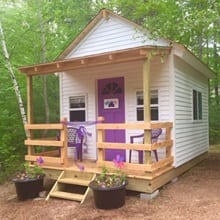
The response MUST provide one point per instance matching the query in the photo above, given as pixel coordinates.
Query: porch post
(64, 138)
(147, 112)
(30, 149)
(29, 100)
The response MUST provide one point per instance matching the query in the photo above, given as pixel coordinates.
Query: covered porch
(140, 176)
(146, 177)
(57, 158)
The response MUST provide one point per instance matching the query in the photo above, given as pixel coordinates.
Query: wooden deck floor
(90, 166)
(137, 180)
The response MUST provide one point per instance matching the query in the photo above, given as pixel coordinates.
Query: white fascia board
(193, 61)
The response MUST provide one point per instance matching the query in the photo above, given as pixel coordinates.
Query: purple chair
(75, 139)
(155, 133)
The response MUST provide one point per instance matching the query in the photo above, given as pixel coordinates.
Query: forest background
(37, 31)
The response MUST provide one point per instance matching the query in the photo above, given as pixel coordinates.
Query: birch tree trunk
(12, 75)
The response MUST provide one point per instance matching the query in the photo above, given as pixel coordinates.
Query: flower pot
(109, 198)
(27, 189)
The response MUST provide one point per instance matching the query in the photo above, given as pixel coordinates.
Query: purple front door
(112, 107)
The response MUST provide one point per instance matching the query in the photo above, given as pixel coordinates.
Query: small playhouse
(117, 82)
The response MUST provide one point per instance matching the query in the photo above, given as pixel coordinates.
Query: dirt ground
(195, 195)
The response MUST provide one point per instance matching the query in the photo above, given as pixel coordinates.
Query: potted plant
(29, 181)
(109, 189)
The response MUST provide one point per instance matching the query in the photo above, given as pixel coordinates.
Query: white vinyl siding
(173, 83)
(84, 82)
(191, 137)
(111, 35)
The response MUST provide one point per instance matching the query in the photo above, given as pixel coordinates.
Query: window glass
(154, 113)
(140, 98)
(77, 102)
(140, 114)
(77, 115)
(154, 97)
(197, 105)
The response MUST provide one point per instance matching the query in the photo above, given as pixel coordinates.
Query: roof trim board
(95, 60)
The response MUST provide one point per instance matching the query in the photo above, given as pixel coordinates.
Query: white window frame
(197, 109)
(151, 105)
(72, 109)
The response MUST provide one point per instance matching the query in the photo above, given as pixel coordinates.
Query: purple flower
(118, 161)
(81, 167)
(40, 161)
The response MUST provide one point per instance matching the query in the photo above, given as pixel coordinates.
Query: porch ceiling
(95, 60)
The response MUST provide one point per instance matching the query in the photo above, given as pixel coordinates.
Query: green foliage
(27, 172)
(12, 135)
(21, 20)
(32, 172)
(10, 156)
(214, 119)
(53, 94)
(107, 180)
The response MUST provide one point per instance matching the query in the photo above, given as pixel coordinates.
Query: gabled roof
(77, 55)
(109, 32)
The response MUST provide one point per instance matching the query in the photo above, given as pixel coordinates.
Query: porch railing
(59, 156)
(54, 157)
(147, 166)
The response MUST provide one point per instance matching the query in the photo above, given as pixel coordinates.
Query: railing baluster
(63, 136)
(101, 139)
(168, 137)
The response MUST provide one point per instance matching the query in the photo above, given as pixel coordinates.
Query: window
(77, 106)
(154, 105)
(197, 105)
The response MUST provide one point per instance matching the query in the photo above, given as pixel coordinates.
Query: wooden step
(67, 195)
(74, 181)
